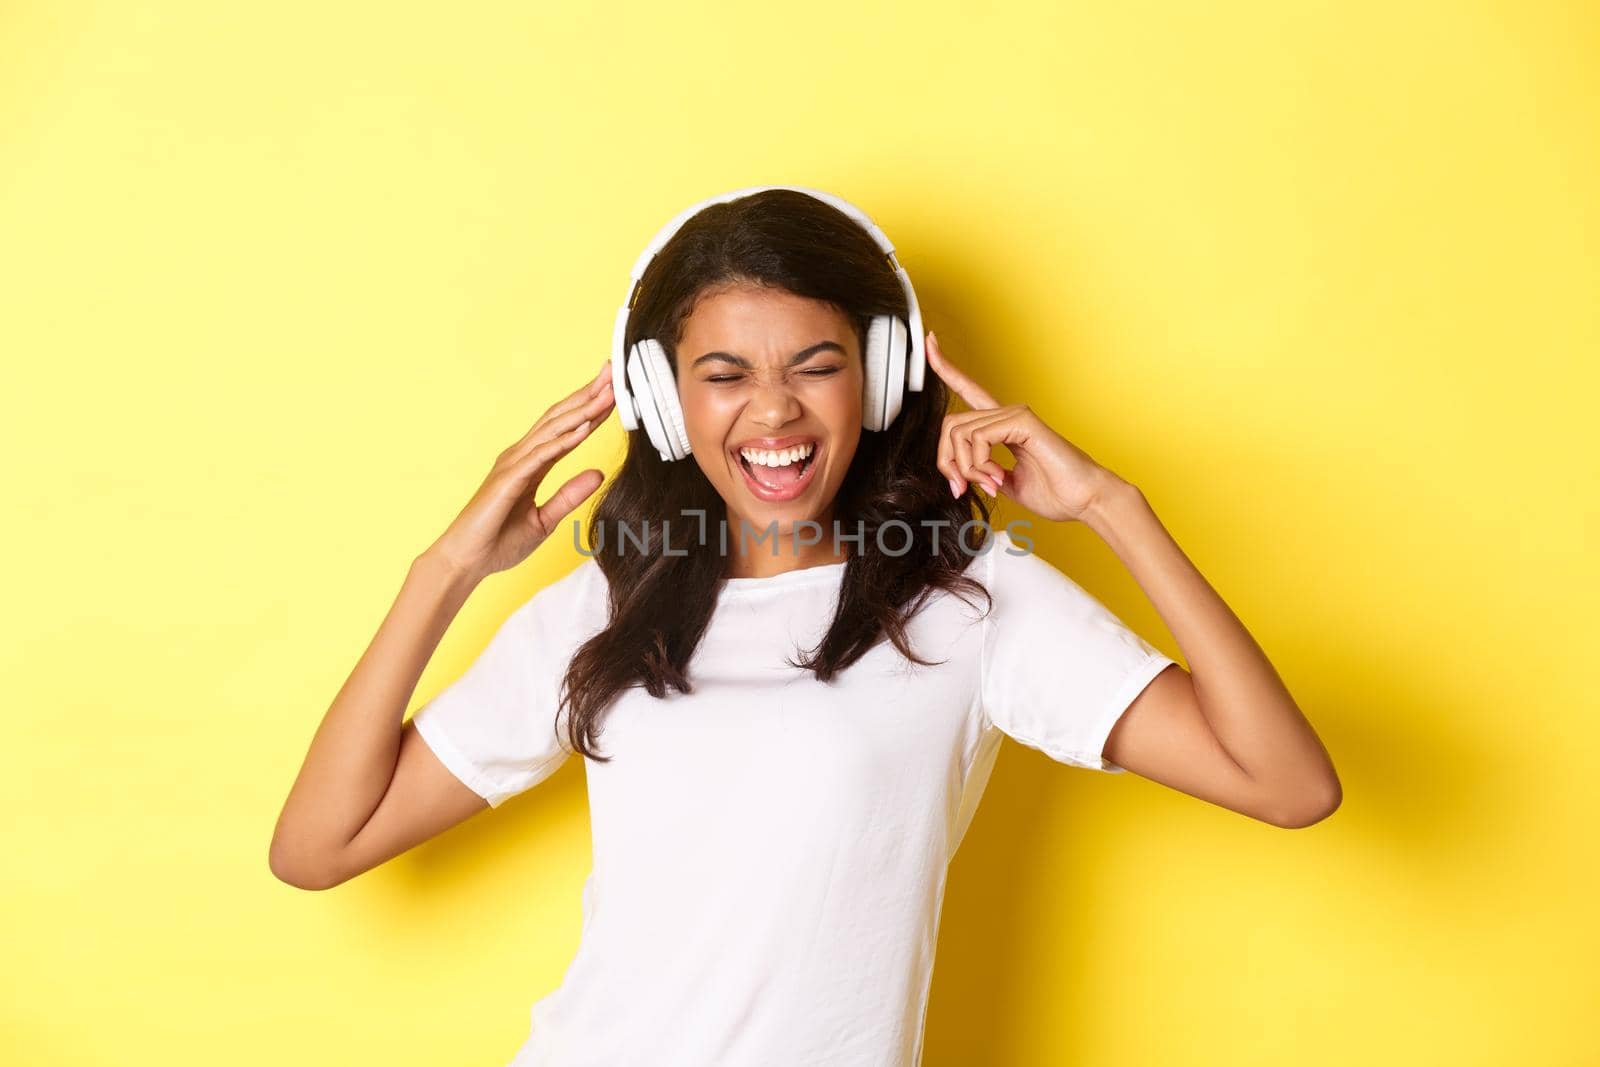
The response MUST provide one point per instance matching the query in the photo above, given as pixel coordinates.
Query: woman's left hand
(1053, 478)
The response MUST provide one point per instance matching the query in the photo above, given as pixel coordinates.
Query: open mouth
(779, 474)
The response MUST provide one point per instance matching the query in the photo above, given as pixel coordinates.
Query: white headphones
(646, 392)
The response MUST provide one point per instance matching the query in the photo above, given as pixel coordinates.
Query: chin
(785, 519)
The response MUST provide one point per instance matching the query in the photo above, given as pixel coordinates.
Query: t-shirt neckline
(786, 579)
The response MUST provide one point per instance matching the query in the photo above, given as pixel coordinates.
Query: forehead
(754, 320)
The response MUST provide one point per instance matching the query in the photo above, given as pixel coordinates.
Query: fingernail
(987, 488)
(955, 488)
(933, 339)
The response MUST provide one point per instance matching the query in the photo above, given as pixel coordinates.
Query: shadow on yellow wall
(279, 283)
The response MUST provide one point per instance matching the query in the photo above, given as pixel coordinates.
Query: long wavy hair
(660, 602)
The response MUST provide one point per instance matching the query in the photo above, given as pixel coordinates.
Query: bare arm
(369, 787)
(355, 753)
(1228, 733)
(1227, 730)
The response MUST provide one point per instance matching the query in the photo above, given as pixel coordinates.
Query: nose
(772, 404)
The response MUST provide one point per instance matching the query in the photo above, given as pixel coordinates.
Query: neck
(753, 553)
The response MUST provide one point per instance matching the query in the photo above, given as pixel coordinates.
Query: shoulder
(1023, 583)
(1007, 560)
(992, 563)
(573, 605)
(585, 581)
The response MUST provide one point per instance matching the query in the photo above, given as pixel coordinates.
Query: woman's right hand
(501, 525)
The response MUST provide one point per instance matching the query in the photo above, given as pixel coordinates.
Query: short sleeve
(1058, 668)
(496, 726)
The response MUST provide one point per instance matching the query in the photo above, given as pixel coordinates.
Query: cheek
(703, 417)
(844, 435)
(850, 412)
(844, 405)
(844, 451)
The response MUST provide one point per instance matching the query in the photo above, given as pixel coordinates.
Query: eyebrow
(799, 357)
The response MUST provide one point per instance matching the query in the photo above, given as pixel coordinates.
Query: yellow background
(277, 283)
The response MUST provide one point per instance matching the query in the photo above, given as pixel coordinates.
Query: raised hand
(502, 525)
(1053, 478)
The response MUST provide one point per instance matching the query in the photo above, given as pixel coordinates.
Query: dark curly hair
(660, 603)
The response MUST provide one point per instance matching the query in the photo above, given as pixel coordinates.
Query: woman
(788, 660)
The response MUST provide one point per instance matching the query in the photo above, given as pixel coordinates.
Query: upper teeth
(780, 458)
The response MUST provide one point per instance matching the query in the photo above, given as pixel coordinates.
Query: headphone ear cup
(627, 406)
(644, 400)
(875, 365)
(663, 414)
(894, 378)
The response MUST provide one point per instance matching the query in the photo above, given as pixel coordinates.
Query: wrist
(1111, 498)
(435, 568)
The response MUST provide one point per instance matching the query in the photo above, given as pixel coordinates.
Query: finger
(974, 441)
(583, 392)
(946, 464)
(991, 469)
(952, 444)
(516, 480)
(992, 431)
(544, 455)
(1016, 430)
(948, 447)
(946, 460)
(961, 455)
(599, 384)
(987, 473)
(574, 491)
(958, 380)
(593, 411)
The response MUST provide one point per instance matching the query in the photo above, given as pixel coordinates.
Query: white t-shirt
(770, 851)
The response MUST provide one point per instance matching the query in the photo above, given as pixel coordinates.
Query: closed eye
(814, 372)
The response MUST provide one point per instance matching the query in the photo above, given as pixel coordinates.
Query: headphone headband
(916, 358)
(676, 223)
